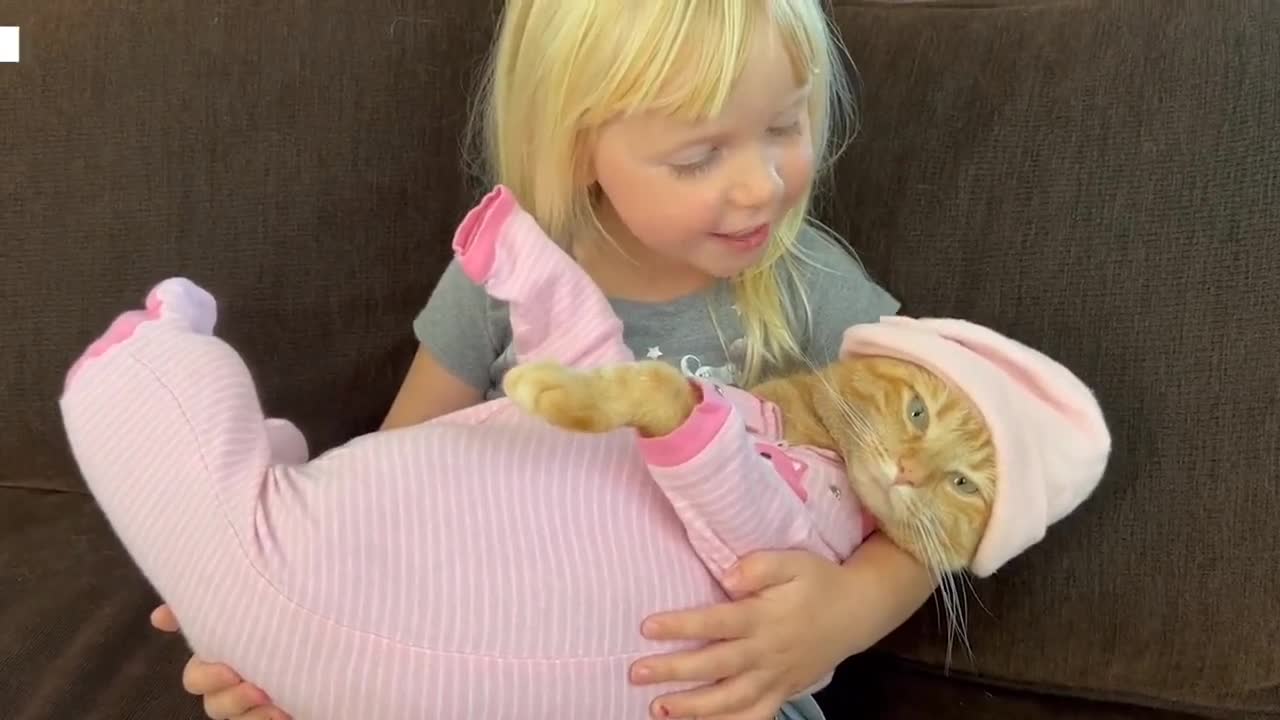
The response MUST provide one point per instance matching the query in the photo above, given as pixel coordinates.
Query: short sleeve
(455, 327)
(840, 294)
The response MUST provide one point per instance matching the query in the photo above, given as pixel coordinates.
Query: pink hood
(1052, 442)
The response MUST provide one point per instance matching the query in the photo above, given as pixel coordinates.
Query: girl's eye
(918, 413)
(696, 167)
(964, 485)
(786, 130)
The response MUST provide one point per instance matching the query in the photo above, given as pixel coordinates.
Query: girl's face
(699, 201)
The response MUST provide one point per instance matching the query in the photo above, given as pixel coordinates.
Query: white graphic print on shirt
(692, 366)
(727, 374)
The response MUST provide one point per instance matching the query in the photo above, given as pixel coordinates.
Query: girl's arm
(428, 391)
(888, 585)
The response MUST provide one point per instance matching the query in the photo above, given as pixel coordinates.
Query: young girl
(671, 148)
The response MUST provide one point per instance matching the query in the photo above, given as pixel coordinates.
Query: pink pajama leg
(557, 312)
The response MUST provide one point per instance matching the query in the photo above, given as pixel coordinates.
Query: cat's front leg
(650, 396)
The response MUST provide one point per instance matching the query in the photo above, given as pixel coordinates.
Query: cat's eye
(918, 413)
(964, 485)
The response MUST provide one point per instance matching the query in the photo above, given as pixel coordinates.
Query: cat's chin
(874, 495)
(868, 479)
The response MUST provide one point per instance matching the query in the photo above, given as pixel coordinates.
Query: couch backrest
(301, 161)
(1098, 179)
(1102, 181)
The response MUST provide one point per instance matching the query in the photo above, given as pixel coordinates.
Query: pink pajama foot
(175, 298)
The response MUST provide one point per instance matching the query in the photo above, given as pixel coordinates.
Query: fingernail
(641, 673)
(650, 628)
(663, 711)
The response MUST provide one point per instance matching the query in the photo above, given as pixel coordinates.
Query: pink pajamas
(480, 565)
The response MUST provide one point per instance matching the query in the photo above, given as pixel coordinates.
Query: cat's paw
(563, 397)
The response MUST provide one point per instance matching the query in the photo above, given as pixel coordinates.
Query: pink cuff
(122, 328)
(691, 438)
(476, 240)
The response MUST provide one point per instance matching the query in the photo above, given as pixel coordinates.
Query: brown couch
(1098, 178)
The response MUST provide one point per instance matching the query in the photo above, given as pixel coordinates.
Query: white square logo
(8, 44)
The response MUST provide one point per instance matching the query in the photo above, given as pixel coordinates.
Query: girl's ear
(586, 175)
(584, 160)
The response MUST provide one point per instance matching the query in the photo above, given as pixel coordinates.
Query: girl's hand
(226, 696)
(796, 616)
(789, 627)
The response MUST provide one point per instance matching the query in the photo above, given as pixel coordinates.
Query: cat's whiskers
(927, 541)
(933, 544)
(860, 426)
(968, 581)
(954, 600)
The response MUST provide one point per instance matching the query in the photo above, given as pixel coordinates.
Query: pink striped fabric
(482, 565)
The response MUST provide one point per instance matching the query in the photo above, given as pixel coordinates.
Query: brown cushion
(75, 641)
(300, 162)
(868, 687)
(1102, 180)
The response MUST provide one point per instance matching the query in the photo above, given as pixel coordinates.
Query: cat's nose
(908, 474)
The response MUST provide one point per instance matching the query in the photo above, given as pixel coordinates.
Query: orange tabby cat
(918, 454)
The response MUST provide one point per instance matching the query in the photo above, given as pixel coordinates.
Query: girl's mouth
(748, 239)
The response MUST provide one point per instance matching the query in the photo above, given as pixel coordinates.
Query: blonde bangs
(685, 62)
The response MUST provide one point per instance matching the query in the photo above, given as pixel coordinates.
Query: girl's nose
(757, 183)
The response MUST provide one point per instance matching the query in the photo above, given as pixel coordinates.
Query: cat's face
(918, 454)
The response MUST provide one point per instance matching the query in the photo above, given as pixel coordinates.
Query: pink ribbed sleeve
(730, 498)
(556, 311)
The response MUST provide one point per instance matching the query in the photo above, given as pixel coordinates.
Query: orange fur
(650, 396)
(861, 408)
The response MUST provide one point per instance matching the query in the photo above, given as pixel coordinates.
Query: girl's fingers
(202, 678)
(233, 703)
(162, 618)
(706, 664)
(725, 621)
(725, 698)
(268, 712)
(765, 569)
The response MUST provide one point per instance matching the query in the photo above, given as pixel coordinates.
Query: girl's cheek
(804, 162)
(799, 175)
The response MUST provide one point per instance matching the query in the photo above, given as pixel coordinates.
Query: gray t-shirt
(469, 333)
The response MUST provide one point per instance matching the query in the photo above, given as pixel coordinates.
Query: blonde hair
(560, 69)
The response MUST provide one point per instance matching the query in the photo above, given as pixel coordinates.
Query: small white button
(8, 44)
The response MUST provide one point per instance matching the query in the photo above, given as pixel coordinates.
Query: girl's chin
(728, 268)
